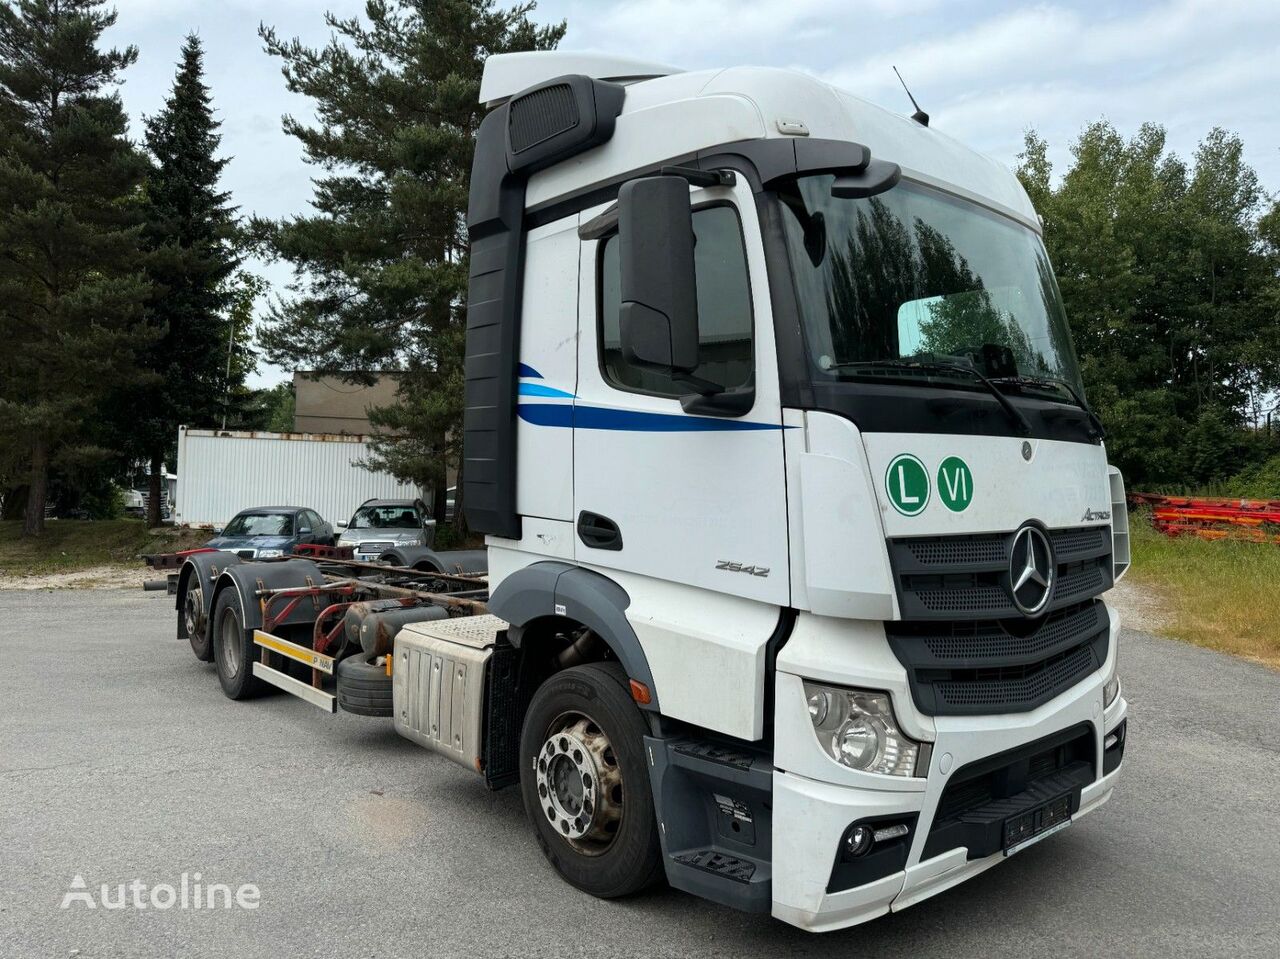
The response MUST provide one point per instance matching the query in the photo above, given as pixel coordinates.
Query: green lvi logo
(955, 484)
(907, 483)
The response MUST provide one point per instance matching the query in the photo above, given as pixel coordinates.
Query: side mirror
(658, 318)
(342, 524)
(304, 531)
(875, 178)
(217, 531)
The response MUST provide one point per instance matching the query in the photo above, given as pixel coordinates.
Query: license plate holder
(1028, 828)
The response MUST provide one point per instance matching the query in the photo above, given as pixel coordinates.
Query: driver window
(724, 310)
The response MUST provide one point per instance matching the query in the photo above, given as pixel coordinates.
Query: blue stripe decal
(537, 389)
(529, 371)
(636, 421)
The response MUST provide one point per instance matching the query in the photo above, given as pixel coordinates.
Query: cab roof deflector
(506, 74)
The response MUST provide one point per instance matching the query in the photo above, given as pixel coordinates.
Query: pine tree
(382, 267)
(71, 293)
(191, 238)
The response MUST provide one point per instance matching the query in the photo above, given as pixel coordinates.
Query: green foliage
(105, 502)
(381, 268)
(1171, 277)
(280, 402)
(1259, 481)
(72, 294)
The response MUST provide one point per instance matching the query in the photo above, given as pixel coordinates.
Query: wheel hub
(579, 783)
(193, 612)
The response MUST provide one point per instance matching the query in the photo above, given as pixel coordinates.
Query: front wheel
(585, 782)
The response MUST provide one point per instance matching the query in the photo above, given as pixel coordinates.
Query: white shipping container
(221, 472)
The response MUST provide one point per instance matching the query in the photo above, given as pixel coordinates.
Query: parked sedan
(270, 531)
(382, 524)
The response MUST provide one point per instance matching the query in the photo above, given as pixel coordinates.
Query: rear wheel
(233, 651)
(196, 623)
(585, 783)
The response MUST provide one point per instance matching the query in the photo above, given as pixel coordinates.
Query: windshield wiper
(1024, 427)
(1094, 420)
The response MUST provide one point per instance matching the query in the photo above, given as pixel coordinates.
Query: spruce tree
(190, 238)
(71, 291)
(382, 265)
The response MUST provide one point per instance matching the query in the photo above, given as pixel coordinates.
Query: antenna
(919, 116)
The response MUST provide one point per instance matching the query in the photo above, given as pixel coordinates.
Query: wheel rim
(193, 612)
(230, 639)
(580, 788)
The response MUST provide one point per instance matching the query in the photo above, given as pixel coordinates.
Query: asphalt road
(120, 760)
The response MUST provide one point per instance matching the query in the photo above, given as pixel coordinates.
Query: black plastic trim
(496, 225)
(883, 859)
(1113, 757)
(981, 795)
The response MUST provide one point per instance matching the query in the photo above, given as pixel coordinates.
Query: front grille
(964, 667)
(370, 546)
(1021, 687)
(967, 577)
(953, 550)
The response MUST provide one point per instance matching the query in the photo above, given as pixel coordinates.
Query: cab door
(693, 499)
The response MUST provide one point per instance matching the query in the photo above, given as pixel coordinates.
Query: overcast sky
(985, 71)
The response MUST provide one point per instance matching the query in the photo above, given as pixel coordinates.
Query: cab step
(714, 804)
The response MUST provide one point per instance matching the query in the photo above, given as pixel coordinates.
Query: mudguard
(462, 562)
(201, 571)
(250, 577)
(595, 601)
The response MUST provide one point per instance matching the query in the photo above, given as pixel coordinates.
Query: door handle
(598, 532)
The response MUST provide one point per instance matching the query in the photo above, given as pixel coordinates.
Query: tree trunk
(439, 499)
(33, 519)
(153, 491)
(459, 516)
(440, 484)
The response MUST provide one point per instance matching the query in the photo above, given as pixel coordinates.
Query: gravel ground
(120, 759)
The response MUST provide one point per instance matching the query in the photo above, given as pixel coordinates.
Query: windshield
(260, 524)
(915, 276)
(387, 516)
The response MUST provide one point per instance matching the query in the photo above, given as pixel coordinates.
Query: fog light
(1110, 691)
(857, 729)
(857, 842)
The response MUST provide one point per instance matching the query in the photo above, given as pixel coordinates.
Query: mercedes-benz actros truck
(797, 521)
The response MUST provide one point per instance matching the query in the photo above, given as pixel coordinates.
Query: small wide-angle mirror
(875, 178)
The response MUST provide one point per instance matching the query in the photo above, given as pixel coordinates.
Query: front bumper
(815, 800)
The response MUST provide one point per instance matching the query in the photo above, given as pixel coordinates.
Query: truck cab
(773, 411)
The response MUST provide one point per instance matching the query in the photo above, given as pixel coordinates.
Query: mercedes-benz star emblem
(1031, 569)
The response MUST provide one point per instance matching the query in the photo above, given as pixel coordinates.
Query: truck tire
(233, 651)
(197, 625)
(364, 688)
(585, 782)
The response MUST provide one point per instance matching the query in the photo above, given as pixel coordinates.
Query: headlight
(1110, 691)
(269, 553)
(857, 729)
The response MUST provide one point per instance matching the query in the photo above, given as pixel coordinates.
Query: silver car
(382, 524)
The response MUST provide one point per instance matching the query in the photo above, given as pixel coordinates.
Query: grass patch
(1219, 593)
(68, 545)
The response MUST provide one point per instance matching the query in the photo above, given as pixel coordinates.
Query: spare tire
(364, 688)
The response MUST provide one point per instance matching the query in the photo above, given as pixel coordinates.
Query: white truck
(797, 523)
